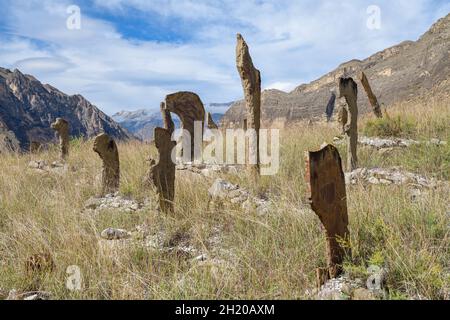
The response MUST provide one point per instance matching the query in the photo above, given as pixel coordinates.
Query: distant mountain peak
(28, 107)
(141, 122)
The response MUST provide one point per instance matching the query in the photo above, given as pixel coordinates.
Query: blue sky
(130, 54)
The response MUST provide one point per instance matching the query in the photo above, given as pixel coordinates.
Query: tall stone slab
(106, 148)
(61, 126)
(189, 108)
(251, 84)
(327, 196)
(349, 89)
(162, 174)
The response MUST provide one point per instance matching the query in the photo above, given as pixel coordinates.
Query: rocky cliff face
(28, 107)
(400, 73)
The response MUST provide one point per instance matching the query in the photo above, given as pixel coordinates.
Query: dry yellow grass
(267, 257)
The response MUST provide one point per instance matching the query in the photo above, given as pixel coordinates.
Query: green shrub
(398, 126)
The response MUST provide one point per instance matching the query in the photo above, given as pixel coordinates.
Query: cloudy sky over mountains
(130, 54)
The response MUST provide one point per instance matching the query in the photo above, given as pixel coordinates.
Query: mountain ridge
(398, 73)
(28, 107)
(141, 122)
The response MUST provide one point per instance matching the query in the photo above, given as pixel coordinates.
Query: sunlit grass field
(267, 257)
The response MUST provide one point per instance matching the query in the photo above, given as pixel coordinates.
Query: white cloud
(290, 41)
(283, 86)
(42, 65)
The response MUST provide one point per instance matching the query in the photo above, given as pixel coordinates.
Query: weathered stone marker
(167, 118)
(210, 122)
(251, 83)
(372, 98)
(35, 147)
(189, 107)
(349, 89)
(106, 148)
(61, 126)
(162, 174)
(342, 113)
(327, 197)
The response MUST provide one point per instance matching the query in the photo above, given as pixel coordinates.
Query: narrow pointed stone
(162, 174)
(349, 89)
(251, 84)
(372, 98)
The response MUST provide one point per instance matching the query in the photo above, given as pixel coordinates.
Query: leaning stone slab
(372, 98)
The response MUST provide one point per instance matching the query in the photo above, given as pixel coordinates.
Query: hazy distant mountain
(142, 122)
(408, 70)
(28, 107)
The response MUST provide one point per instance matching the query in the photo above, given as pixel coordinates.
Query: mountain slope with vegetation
(28, 107)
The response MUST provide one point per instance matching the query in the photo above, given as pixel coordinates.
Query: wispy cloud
(119, 60)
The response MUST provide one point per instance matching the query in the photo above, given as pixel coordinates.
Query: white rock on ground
(344, 288)
(224, 190)
(387, 143)
(208, 169)
(380, 143)
(43, 167)
(115, 234)
(340, 288)
(32, 295)
(113, 201)
(389, 176)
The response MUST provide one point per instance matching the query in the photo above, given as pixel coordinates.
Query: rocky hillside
(28, 107)
(406, 71)
(142, 122)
